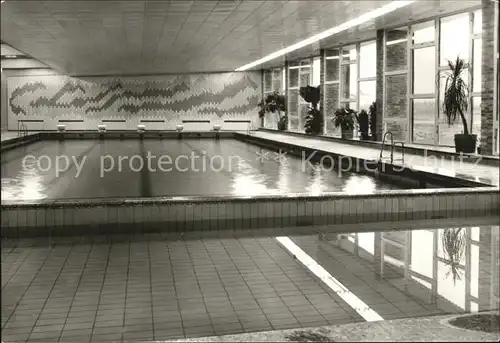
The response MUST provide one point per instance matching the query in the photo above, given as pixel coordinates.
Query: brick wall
(488, 77)
(395, 117)
(322, 87)
(380, 83)
(396, 54)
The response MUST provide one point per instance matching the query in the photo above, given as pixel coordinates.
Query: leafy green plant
(273, 102)
(314, 120)
(283, 123)
(363, 121)
(456, 92)
(344, 118)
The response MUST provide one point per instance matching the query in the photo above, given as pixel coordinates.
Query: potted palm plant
(313, 124)
(344, 118)
(274, 103)
(456, 102)
(363, 122)
(373, 120)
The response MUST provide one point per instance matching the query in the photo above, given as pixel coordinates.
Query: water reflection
(27, 185)
(451, 270)
(287, 174)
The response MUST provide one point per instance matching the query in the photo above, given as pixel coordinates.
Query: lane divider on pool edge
(343, 292)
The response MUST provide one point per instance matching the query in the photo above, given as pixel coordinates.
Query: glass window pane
(276, 79)
(305, 63)
(316, 72)
(367, 94)
(332, 65)
(267, 80)
(424, 77)
(349, 81)
(423, 33)
(368, 60)
(283, 78)
(293, 77)
(396, 50)
(477, 48)
(352, 105)
(424, 123)
(447, 132)
(349, 53)
(454, 38)
(476, 117)
(478, 22)
(305, 77)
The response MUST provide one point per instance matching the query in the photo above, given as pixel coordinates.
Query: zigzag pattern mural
(171, 98)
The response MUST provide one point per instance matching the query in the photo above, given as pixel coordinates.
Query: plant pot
(465, 143)
(365, 136)
(347, 134)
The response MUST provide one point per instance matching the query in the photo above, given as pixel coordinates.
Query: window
(424, 74)
(396, 49)
(332, 63)
(424, 123)
(367, 94)
(349, 81)
(368, 60)
(454, 31)
(477, 48)
(349, 54)
(423, 33)
(316, 72)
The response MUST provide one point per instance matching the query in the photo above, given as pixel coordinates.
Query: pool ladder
(22, 129)
(393, 144)
(250, 128)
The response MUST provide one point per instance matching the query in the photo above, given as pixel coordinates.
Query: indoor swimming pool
(75, 169)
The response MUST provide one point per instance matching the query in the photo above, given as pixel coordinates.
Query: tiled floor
(167, 286)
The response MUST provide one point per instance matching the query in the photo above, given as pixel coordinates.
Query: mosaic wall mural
(83, 103)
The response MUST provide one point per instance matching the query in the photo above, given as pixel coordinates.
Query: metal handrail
(383, 145)
(389, 133)
(22, 129)
(250, 128)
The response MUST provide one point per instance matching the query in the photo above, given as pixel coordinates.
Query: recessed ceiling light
(392, 6)
(10, 56)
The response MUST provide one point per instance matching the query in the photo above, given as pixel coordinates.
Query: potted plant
(272, 103)
(344, 118)
(373, 120)
(363, 122)
(455, 103)
(313, 124)
(283, 123)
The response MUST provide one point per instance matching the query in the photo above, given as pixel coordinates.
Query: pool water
(112, 168)
(169, 285)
